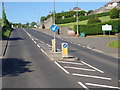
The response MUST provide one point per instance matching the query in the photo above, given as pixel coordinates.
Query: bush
(114, 13)
(97, 28)
(94, 20)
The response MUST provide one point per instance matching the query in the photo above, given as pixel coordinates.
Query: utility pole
(77, 18)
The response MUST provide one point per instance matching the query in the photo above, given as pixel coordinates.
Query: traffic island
(55, 56)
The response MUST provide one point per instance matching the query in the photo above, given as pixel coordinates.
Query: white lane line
(38, 45)
(61, 67)
(42, 42)
(36, 39)
(98, 77)
(35, 42)
(84, 69)
(105, 86)
(119, 80)
(32, 39)
(92, 67)
(48, 45)
(70, 62)
(79, 44)
(42, 50)
(83, 85)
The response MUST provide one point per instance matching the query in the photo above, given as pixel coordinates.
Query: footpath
(98, 44)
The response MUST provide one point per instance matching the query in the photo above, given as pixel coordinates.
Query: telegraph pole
(77, 18)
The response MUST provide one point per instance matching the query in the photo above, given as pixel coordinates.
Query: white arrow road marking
(105, 86)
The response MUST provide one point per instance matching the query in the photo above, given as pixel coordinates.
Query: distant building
(76, 8)
(107, 7)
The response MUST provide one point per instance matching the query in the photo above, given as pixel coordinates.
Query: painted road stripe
(32, 39)
(84, 69)
(34, 42)
(49, 45)
(83, 85)
(82, 75)
(61, 67)
(38, 45)
(70, 62)
(105, 86)
(92, 67)
(119, 80)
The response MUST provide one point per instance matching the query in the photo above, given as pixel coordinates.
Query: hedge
(97, 28)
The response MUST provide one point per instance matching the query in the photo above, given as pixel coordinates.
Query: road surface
(25, 66)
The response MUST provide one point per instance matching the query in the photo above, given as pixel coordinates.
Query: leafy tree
(89, 11)
(93, 20)
(33, 24)
(114, 13)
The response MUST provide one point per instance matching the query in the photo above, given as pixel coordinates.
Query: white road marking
(70, 62)
(119, 80)
(82, 75)
(32, 39)
(38, 45)
(105, 86)
(49, 45)
(42, 42)
(36, 39)
(35, 42)
(92, 67)
(83, 85)
(42, 50)
(84, 69)
(61, 67)
(79, 44)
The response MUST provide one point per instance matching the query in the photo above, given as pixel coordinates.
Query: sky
(23, 12)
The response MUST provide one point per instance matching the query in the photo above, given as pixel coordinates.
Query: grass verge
(6, 34)
(114, 44)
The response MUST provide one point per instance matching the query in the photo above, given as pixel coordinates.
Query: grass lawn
(6, 34)
(84, 22)
(115, 44)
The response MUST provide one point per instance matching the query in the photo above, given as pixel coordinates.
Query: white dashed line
(70, 62)
(83, 85)
(61, 67)
(105, 86)
(38, 45)
(35, 42)
(49, 45)
(92, 67)
(32, 39)
(90, 76)
(84, 69)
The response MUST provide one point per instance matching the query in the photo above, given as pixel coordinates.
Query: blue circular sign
(54, 28)
(65, 45)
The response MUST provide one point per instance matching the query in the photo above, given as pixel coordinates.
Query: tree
(33, 24)
(114, 13)
(93, 20)
(89, 11)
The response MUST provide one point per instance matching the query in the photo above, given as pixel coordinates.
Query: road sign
(64, 49)
(106, 27)
(54, 28)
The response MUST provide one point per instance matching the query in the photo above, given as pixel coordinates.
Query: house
(76, 8)
(107, 7)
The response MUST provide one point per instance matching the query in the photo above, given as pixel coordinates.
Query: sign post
(54, 28)
(106, 28)
(64, 49)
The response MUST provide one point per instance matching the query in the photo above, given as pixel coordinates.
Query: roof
(76, 8)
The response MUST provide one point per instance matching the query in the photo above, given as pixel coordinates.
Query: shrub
(97, 28)
(114, 13)
(93, 20)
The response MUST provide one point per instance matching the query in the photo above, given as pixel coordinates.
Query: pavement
(98, 44)
(26, 66)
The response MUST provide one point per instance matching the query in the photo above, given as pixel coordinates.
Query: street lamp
(77, 18)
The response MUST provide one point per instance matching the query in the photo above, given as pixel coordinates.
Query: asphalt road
(27, 66)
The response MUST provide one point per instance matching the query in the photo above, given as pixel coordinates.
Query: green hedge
(81, 18)
(97, 28)
(94, 15)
